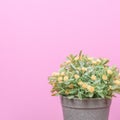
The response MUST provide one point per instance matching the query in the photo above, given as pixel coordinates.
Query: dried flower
(66, 78)
(109, 72)
(94, 62)
(80, 83)
(67, 92)
(98, 61)
(91, 89)
(104, 77)
(84, 69)
(68, 62)
(55, 74)
(60, 79)
(117, 82)
(93, 77)
(84, 85)
(71, 86)
(76, 76)
(62, 73)
(90, 58)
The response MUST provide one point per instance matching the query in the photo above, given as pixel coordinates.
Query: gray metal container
(87, 109)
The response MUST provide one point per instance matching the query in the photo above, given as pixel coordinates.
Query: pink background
(36, 36)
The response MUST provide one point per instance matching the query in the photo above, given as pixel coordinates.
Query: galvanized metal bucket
(87, 109)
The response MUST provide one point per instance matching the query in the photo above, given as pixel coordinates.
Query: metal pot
(86, 109)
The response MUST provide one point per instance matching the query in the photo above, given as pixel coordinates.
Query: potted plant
(86, 86)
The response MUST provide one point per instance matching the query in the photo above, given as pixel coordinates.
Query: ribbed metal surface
(87, 109)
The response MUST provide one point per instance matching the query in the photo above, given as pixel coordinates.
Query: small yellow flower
(76, 76)
(76, 58)
(104, 77)
(80, 58)
(53, 94)
(62, 73)
(62, 65)
(93, 77)
(94, 62)
(59, 79)
(55, 74)
(90, 58)
(78, 68)
(65, 78)
(119, 75)
(84, 85)
(110, 87)
(80, 83)
(117, 82)
(67, 92)
(91, 89)
(84, 69)
(109, 72)
(68, 62)
(52, 83)
(71, 86)
(98, 61)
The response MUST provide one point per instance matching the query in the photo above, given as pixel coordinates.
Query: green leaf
(96, 81)
(109, 97)
(73, 91)
(70, 57)
(81, 63)
(73, 67)
(79, 95)
(61, 91)
(91, 95)
(101, 95)
(67, 82)
(105, 62)
(70, 96)
(61, 69)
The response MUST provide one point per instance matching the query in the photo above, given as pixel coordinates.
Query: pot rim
(86, 98)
